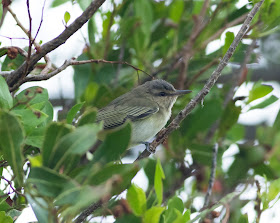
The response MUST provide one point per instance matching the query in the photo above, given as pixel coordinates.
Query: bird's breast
(143, 130)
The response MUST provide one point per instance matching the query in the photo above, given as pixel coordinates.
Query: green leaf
(30, 118)
(175, 205)
(128, 218)
(6, 100)
(12, 64)
(229, 118)
(4, 218)
(31, 96)
(36, 137)
(40, 208)
(274, 189)
(159, 175)
(77, 142)
(176, 10)
(55, 131)
(73, 112)
(258, 91)
(88, 117)
(56, 3)
(228, 41)
(114, 145)
(153, 215)
(265, 103)
(48, 182)
(136, 198)
(11, 139)
(67, 17)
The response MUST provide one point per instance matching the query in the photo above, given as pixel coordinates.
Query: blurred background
(180, 42)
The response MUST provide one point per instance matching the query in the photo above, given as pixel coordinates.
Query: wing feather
(115, 115)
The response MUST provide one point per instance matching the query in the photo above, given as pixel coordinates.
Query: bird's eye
(162, 93)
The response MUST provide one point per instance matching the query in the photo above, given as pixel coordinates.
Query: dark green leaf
(136, 198)
(6, 100)
(114, 145)
(265, 103)
(36, 137)
(128, 218)
(73, 112)
(48, 182)
(77, 142)
(88, 117)
(11, 139)
(54, 133)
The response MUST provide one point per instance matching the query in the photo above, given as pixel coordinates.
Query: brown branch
(82, 217)
(67, 63)
(56, 42)
(163, 134)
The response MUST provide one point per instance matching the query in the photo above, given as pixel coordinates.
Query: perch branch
(163, 134)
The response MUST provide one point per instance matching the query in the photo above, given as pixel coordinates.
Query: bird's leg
(147, 144)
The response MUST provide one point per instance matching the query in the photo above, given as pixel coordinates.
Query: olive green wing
(116, 115)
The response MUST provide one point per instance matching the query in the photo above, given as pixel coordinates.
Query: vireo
(147, 106)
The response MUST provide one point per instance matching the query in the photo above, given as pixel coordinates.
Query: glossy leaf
(67, 17)
(73, 112)
(11, 139)
(6, 100)
(136, 198)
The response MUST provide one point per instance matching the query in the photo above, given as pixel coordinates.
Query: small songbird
(147, 106)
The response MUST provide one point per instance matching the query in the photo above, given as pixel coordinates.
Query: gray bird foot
(147, 144)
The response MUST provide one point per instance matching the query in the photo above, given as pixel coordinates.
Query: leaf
(67, 17)
(73, 112)
(31, 96)
(47, 181)
(176, 10)
(88, 117)
(128, 218)
(159, 175)
(265, 103)
(274, 189)
(228, 41)
(11, 139)
(40, 208)
(12, 64)
(174, 205)
(56, 3)
(258, 91)
(153, 214)
(114, 145)
(36, 137)
(4, 218)
(55, 131)
(6, 100)
(77, 142)
(136, 198)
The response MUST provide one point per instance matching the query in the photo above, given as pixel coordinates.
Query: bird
(147, 106)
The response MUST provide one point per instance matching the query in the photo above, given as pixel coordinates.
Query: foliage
(48, 161)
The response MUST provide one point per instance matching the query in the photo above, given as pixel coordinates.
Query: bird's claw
(147, 144)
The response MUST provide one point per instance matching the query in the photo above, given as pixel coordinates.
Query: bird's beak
(181, 92)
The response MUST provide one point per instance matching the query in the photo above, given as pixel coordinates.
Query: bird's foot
(147, 144)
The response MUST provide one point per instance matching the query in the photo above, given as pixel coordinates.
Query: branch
(67, 63)
(212, 175)
(82, 217)
(56, 42)
(163, 134)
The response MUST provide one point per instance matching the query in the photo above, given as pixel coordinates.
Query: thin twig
(212, 175)
(163, 134)
(56, 42)
(82, 217)
(67, 63)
